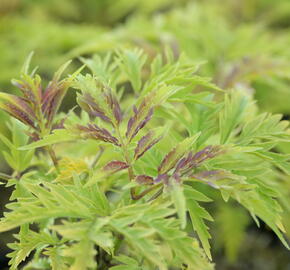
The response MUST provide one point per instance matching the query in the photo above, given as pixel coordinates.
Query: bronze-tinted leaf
(141, 116)
(18, 108)
(115, 166)
(55, 92)
(172, 158)
(59, 124)
(136, 123)
(92, 131)
(52, 99)
(208, 152)
(113, 104)
(87, 103)
(162, 178)
(145, 143)
(31, 88)
(211, 176)
(144, 179)
(191, 161)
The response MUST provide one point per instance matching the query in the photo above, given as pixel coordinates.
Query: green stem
(144, 192)
(98, 156)
(52, 156)
(124, 146)
(5, 176)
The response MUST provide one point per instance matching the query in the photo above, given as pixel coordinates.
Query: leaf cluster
(131, 176)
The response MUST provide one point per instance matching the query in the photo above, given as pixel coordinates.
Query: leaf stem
(144, 192)
(5, 176)
(124, 146)
(52, 156)
(98, 156)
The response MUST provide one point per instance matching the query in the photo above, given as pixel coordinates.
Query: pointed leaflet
(191, 161)
(145, 143)
(113, 104)
(115, 166)
(140, 238)
(87, 103)
(213, 175)
(208, 152)
(31, 89)
(103, 67)
(197, 214)
(162, 178)
(92, 131)
(46, 103)
(141, 117)
(232, 114)
(18, 108)
(25, 67)
(55, 92)
(176, 154)
(90, 230)
(27, 241)
(131, 62)
(186, 249)
(144, 179)
(109, 169)
(58, 136)
(55, 255)
(144, 112)
(83, 254)
(178, 198)
(98, 99)
(128, 263)
(265, 126)
(279, 160)
(266, 208)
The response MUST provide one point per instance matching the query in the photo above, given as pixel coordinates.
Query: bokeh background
(243, 44)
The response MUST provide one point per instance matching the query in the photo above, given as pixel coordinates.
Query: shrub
(116, 186)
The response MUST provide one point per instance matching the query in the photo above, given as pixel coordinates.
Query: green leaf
(53, 201)
(26, 65)
(185, 248)
(83, 254)
(265, 127)
(18, 160)
(193, 194)
(267, 209)
(232, 114)
(280, 160)
(128, 263)
(197, 214)
(28, 241)
(178, 198)
(176, 154)
(103, 67)
(140, 239)
(58, 136)
(147, 142)
(56, 258)
(131, 62)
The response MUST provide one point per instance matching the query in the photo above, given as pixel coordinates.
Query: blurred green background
(243, 44)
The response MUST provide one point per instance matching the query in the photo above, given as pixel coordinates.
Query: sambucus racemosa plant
(128, 181)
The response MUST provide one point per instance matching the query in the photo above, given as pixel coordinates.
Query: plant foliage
(126, 183)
